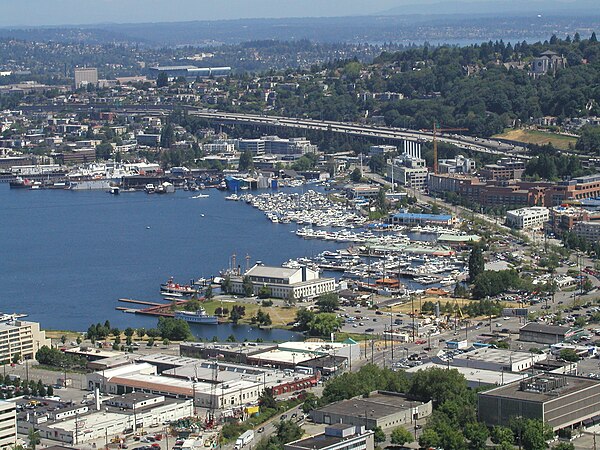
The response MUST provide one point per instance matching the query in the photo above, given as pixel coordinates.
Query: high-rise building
(19, 337)
(85, 76)
(8, 425)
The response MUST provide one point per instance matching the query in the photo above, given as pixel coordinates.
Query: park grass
(405, 308)
(539, 138)
(280, 316)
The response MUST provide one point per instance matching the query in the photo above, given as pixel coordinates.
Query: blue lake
(67, 257)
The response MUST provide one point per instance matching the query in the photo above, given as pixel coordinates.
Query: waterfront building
(8, 425)
(411, 219)
(283, 282)
(19, 338)
(336, 437)
(383, 409)
(532, 218)
(560, 400)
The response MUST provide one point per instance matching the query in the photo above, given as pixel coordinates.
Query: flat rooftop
(574, 385)
(282, 356)
(475, 375)
(378, 404)
(495, 355)
(246, 348)
(323, 440)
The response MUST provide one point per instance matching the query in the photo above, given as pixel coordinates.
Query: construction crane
(435, 131)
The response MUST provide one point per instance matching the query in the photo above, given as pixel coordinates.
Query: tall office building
(85, 76)
(8, 424)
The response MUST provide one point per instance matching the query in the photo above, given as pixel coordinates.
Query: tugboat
(199, 316)
(20, 183)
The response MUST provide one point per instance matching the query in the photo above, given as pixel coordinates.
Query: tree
(438, 385)
(310, 402)
(247, 286)
(328, 302)
(226, 284)
(564, 446)
(141, 332)
(167, 136)
(533, 433)
(569, 355)
(246, 161)
(237, 312)
(429, 438)
(264, 292)
(356, 176)
(33, 436)
(129, 332)
(63, 339)
(476, 262)
(477, 434)
(162, 80)
(323, 324)
(379, 435)
(288, 431)
(174, 329)
(401, 436)
(267, 399)
(303, 318)
(208, 294)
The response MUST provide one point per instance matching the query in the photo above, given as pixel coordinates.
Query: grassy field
(538, 137)
(279, 315)
(405, 308)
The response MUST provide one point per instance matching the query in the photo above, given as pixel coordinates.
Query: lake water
(67, 257)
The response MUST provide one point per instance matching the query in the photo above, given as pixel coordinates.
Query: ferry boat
(199, 316)
(170, 287)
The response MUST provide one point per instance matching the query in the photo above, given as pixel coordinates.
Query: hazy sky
(59, 12)
(55, 12)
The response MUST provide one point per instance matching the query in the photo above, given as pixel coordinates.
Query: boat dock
(152, 308)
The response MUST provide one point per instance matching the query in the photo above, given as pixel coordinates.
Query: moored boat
(199, 316)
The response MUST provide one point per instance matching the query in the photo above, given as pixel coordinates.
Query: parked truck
(244, 439)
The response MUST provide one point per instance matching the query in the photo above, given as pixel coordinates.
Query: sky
(18, 13)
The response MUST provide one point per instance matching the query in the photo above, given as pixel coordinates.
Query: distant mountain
(500, 7)
(402, 26)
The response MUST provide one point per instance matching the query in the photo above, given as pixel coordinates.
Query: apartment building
(8, 425)
(18, 337)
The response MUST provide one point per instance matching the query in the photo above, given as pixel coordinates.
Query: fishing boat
(198, 316)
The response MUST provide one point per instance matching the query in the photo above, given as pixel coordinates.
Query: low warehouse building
(381, 409)
(336, 437)
(546, 334)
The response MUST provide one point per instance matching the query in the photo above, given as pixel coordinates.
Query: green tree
(401, 436)
(429, 438)
(356, 176)
(174, 329)
(303, 318)
(567, 354)
(246, 161)
(226, 285)
(237, 312)
(167, 136)
(288, 431)
(310, 402)
(328, 303)
(477, 434)
(379, 436)
(129, 332)
(564, 446)
(247, 286)
(533, 433)
(476, 262)
(141, 332)
(33, 436)
(208, 294)
(267, 399)
(162, 80)
(323, 324)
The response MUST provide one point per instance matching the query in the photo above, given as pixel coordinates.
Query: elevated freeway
(389, 134)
